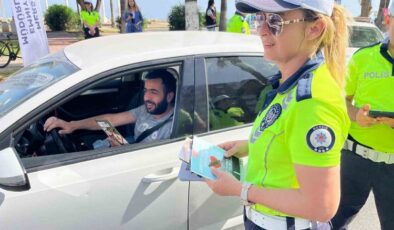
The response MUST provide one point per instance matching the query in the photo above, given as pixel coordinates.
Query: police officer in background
(238, 23)
(292, 177)
(368, 156)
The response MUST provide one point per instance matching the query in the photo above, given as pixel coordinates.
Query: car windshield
(32, 79)
(362, 36)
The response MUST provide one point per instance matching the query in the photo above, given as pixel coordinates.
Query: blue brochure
(204, 156)
(198, 156)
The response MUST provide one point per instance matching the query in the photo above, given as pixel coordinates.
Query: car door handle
(162, 175)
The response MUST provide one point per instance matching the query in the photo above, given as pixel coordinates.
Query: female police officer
(294, 147)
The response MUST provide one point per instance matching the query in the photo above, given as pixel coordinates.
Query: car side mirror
(13, 175)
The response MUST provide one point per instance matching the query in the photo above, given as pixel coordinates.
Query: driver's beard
(159, 108)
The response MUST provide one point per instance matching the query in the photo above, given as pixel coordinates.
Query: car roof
(361, 24)
(126, 49)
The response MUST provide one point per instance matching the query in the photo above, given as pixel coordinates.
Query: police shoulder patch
(271, 116)
(320, 138)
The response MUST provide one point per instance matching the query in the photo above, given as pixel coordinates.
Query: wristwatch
(244, 194)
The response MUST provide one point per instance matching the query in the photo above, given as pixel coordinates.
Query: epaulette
(304, 87)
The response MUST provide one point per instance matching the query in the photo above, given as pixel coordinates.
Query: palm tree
(111, 6)
(366, 8)
(97, 6)
(191, 15)
(379, 19)
(122, 10)
(223, 16)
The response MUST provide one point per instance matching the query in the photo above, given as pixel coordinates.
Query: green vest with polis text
(370, 80)
(303, 122)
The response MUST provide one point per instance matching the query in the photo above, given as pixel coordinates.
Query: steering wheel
(56, 143)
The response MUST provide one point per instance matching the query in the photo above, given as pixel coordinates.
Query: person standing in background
(367, 162)
(133, 17)
(210, 16)
(238, 23)
(91, 20)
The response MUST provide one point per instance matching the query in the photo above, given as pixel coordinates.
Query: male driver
(159, 95)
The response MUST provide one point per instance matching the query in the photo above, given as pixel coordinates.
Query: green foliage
(118, 22)
(61, 17)
(201, 19)
(176, 18)
(145, 25)
(74, 23)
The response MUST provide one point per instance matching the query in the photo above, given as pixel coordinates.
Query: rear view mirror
(13, 175)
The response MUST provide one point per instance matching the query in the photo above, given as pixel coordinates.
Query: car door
(234, 85)
(127, 187)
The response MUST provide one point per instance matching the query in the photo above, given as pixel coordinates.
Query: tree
(366, 8)
(176, 17)
(379, 19)
(96, 8)
(122, 20)
(191, 15)
(223, 16)
(111, 5)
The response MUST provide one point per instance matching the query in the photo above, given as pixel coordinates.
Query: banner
(31, 29)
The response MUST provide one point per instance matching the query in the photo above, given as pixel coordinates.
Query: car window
(31, 80)
(361, 36)
(236, 87)
(121, 92)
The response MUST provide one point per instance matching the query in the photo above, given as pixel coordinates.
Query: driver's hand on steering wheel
(54, 122)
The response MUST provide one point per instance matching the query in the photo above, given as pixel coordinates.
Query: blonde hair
(333, 41)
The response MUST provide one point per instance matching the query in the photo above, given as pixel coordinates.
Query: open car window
(115, 94)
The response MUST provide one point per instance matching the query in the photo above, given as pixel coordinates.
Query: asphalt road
(367, 219)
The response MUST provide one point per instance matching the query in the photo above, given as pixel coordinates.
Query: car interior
(121, 93)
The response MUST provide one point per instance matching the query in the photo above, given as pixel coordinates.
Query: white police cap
(277, 6)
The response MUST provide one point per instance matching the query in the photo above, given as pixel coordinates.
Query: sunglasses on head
(275, 22)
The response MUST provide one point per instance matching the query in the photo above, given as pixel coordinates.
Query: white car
(362, 34)
(50, 181)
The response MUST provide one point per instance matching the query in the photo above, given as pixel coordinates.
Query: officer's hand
(386, 121)
(54, 122)
(225, 184)
(235, 148)
(362, 117)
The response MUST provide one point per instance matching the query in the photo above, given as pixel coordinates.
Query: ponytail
(333, 41)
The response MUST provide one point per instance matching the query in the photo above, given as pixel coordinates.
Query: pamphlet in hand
(203, 155)
(111, 131)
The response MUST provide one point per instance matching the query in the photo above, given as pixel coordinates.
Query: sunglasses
(275, 22)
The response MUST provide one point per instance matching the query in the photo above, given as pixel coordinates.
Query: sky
(159, 9)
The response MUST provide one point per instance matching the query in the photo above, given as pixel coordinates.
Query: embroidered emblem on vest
(320, 138)
(271, 116)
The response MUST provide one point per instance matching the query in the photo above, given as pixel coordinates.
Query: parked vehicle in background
(362, 34)
(64, 183)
